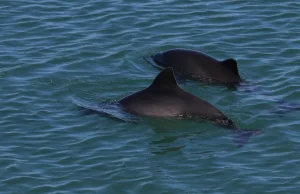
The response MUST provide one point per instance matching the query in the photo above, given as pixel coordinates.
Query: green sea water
(51, 51)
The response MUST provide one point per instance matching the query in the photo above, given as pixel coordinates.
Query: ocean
(52, 51)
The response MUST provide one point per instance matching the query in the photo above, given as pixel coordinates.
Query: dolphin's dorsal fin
(232, 65)
(165, 77)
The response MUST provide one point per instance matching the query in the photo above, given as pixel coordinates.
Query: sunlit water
(51, 51)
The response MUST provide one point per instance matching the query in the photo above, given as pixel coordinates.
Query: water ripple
(51, 50)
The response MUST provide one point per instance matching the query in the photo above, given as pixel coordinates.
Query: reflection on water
(166, 141)
(285, 108)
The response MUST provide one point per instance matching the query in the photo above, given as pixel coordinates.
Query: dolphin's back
(149, 102)
(167, 102)
(198, 65)
(164, 98)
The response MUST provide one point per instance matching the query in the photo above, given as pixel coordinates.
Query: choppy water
(52, 50)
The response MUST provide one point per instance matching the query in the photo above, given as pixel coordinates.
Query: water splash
(113, 110)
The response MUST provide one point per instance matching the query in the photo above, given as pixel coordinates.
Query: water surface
(53, 50)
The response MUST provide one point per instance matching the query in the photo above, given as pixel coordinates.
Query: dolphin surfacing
(199, 66)
(164, 98)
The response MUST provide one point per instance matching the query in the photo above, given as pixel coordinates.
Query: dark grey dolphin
(164, 98)
(200, 66)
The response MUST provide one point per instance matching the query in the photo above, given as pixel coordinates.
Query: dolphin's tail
(241, 137)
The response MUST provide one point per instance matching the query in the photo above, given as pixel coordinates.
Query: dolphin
(200, 66)
(164, 98)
